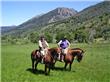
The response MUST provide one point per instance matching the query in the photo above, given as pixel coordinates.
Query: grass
(95, 66)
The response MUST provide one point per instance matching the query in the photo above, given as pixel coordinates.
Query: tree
(92, 34)
(81, 36)
(106, 34)
(59, 36)
(49, 37)
(33, 37)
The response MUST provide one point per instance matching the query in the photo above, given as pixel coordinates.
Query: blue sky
(17, 12)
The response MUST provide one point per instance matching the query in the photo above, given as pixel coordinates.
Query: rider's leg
(65, 51)
(43, 54)
(45, 51)
(62, 55)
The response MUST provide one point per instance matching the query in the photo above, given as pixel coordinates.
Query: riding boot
(61, 58)
(42, 61)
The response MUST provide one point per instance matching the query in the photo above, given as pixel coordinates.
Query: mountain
(5, 29)
(94, 20)
(87, 14)
(52, 16)
(57, 14)
(95, 10)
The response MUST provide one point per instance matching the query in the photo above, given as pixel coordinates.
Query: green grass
(95, 66)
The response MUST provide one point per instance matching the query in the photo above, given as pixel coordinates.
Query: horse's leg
(70, 66)
(65, 65)
(33, 65)
(48, 69)
(45, 69)
(53, 65)
(36, 65)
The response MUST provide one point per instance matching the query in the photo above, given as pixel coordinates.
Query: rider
(43, 46)
(63, 44)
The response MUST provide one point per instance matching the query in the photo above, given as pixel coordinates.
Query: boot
(42, 61)
(61, 58)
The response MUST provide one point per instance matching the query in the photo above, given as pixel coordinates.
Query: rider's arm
(68, 43)
(47, 44)
(59, 43)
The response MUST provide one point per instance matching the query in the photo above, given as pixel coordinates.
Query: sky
(17, 12)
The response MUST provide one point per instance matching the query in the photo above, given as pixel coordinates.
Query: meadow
(94, 67)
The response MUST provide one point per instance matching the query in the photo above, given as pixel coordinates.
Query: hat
(42, 37)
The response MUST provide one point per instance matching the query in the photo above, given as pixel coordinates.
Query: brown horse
(48, 59)
(70, 56)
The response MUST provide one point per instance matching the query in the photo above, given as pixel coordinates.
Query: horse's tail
(32, 54)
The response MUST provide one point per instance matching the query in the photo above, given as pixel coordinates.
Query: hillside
(5, 29)
(52, 16)
(91, 23)
(57, 14)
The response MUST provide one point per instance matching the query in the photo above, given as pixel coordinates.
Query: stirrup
(62, 60)
(42, 61)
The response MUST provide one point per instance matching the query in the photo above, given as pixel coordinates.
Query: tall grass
(94, 67)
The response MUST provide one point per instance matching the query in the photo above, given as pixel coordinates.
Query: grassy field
(95, 66)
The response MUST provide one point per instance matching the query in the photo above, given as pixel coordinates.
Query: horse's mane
(36, 51)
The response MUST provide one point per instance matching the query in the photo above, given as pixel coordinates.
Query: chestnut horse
(70, 56)
(48, 59)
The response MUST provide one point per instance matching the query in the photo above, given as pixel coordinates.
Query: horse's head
(78, 53)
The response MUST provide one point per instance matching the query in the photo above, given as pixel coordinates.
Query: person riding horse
(43, 47)
(63, 44)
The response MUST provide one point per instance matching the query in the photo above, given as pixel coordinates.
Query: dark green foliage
(33, 37)
(59, 36)
(106, 34)
(49, 37)
(81, 36)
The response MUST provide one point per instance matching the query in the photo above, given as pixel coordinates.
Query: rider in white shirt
(43, 46)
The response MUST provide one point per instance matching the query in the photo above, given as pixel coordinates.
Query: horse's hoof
(46, 74)
(36, 70)
(33, 71)
(64, 69)
(69, 70)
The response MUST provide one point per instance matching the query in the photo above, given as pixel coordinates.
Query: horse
(48, 59)
(70, 56)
